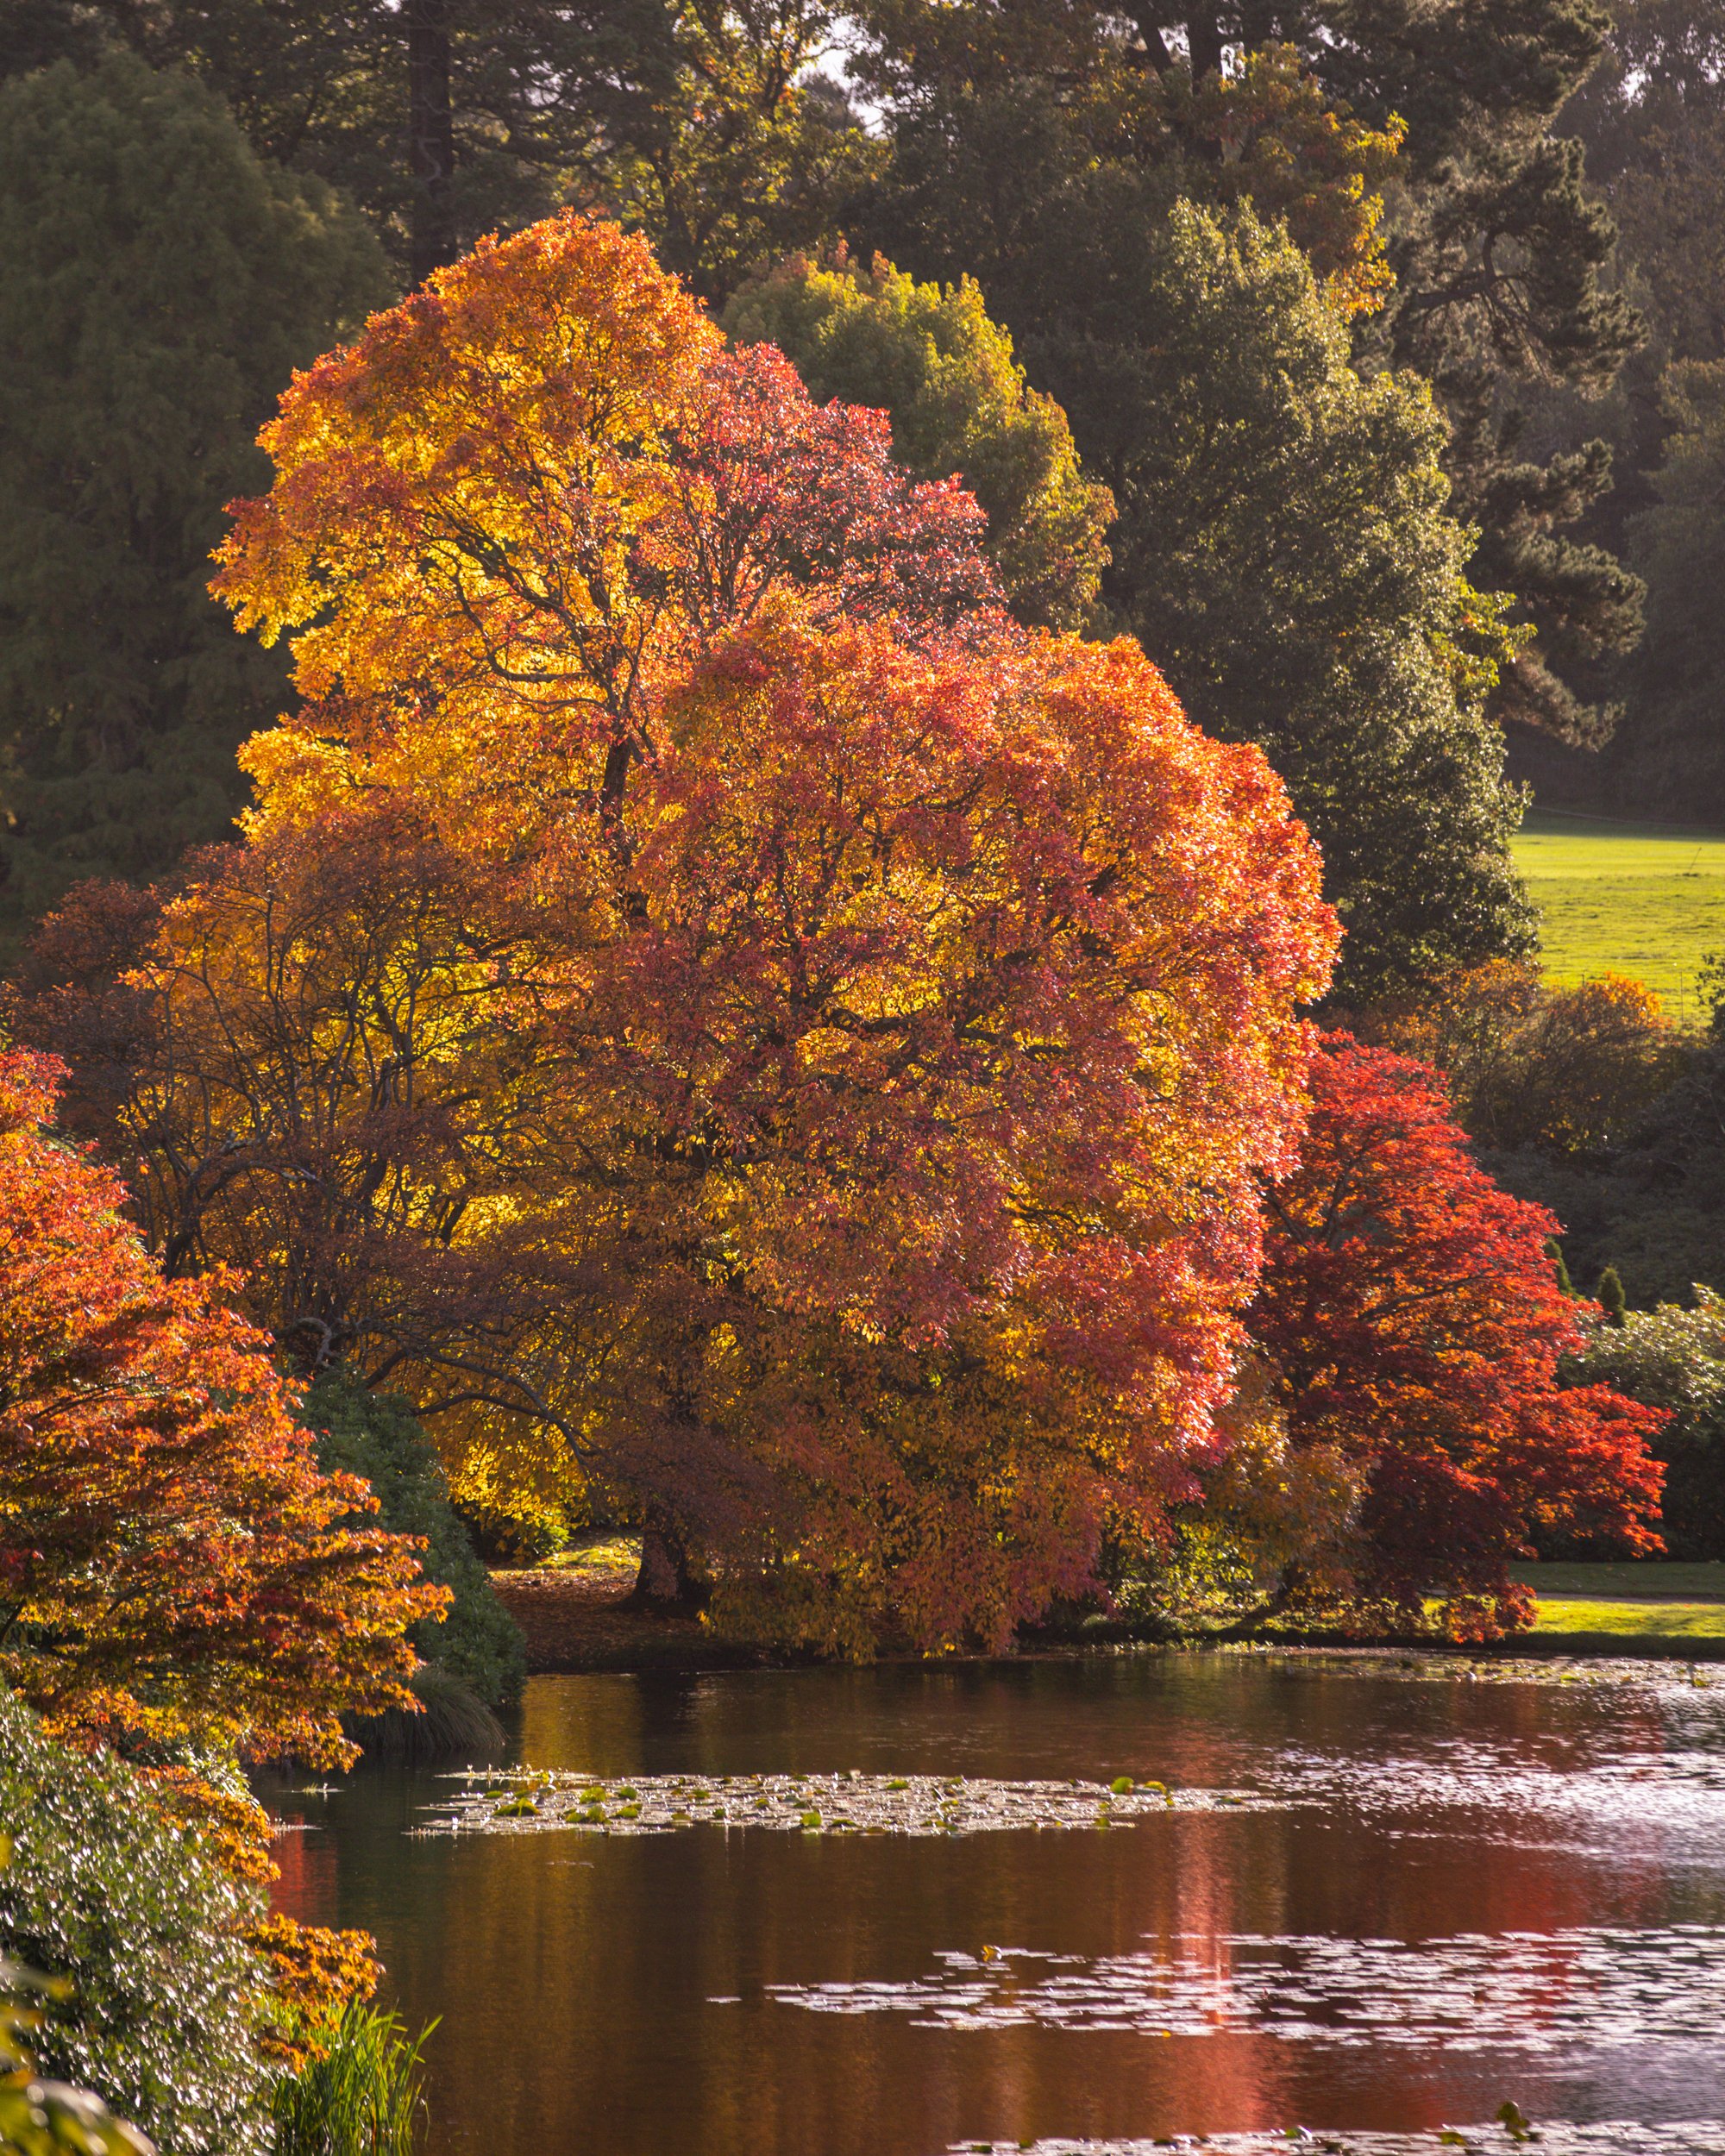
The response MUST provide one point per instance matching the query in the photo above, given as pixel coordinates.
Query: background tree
(171, 1565)
(713, 127)
(1495, 249)
(1568, 1072)
(1679, 541)
(959, 405)
(157, 287)
(1284, 553)
(1414, 1319)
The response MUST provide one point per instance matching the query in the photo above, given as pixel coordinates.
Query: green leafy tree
(1030, 141)
(959, 405)
(1285, 555)
(711, 126)
(158, 286)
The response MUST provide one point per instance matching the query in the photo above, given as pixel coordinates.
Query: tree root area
(581, 1618)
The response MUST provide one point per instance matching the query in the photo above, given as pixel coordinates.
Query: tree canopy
(856, 1027)
(158, 285)
(959, 405)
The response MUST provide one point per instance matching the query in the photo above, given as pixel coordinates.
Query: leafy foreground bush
(47, 2118)
(378, 1437)
(363, 2097)
(101, 1890)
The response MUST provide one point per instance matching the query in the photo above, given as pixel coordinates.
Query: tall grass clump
(364, 2097)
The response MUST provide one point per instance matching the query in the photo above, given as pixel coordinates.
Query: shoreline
(575, 1624)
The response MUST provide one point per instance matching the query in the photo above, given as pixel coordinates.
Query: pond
(1423, 1893)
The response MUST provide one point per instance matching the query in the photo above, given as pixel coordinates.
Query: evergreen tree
(707, 126)
(1653, 120)
(1496, 249)
(158, 286)
(1679, 675)
(378, 1437)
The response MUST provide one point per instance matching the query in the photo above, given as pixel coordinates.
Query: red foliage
(774, 490)
(1417, 1323)
(172, 1564)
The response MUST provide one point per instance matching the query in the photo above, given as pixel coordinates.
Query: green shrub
(103, 1890)
(1674, 1359)
(47, 2118)
(363, 2097)
(377, 1435)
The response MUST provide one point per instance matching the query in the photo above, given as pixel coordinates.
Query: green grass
(1645, 900)
(1624, 1583)
(1644, 1602)
(1644, 1620)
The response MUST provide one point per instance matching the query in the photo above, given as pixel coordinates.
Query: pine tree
(158, 286)
(709, 127)
(1499, 253)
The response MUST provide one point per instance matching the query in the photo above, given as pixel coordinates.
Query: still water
(1440, 1892)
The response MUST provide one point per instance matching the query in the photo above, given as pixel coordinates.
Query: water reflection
(1421, 1824)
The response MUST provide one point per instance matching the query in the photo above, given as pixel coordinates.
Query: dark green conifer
(158, 285)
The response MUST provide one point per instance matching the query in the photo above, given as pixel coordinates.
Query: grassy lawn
(1645, 1601)
(1646, 900)
(1661, 1620)
(1624, 1582)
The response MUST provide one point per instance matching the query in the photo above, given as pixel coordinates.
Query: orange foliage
(699, 981)
(172, 1564)
(314, 1974)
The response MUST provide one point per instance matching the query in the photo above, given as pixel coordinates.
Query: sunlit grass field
(1632, 1601)
(1645, 900)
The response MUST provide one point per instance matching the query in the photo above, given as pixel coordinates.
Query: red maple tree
(1416, 1321)
(174, 1566)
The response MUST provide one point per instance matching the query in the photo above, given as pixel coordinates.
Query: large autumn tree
(1411, 1313)
(859, 1026)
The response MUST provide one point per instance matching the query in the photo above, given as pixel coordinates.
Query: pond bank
(577, 1621)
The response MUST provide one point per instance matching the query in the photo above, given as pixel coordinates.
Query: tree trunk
(1204, 42)
(430, 136)
(667, 1578)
